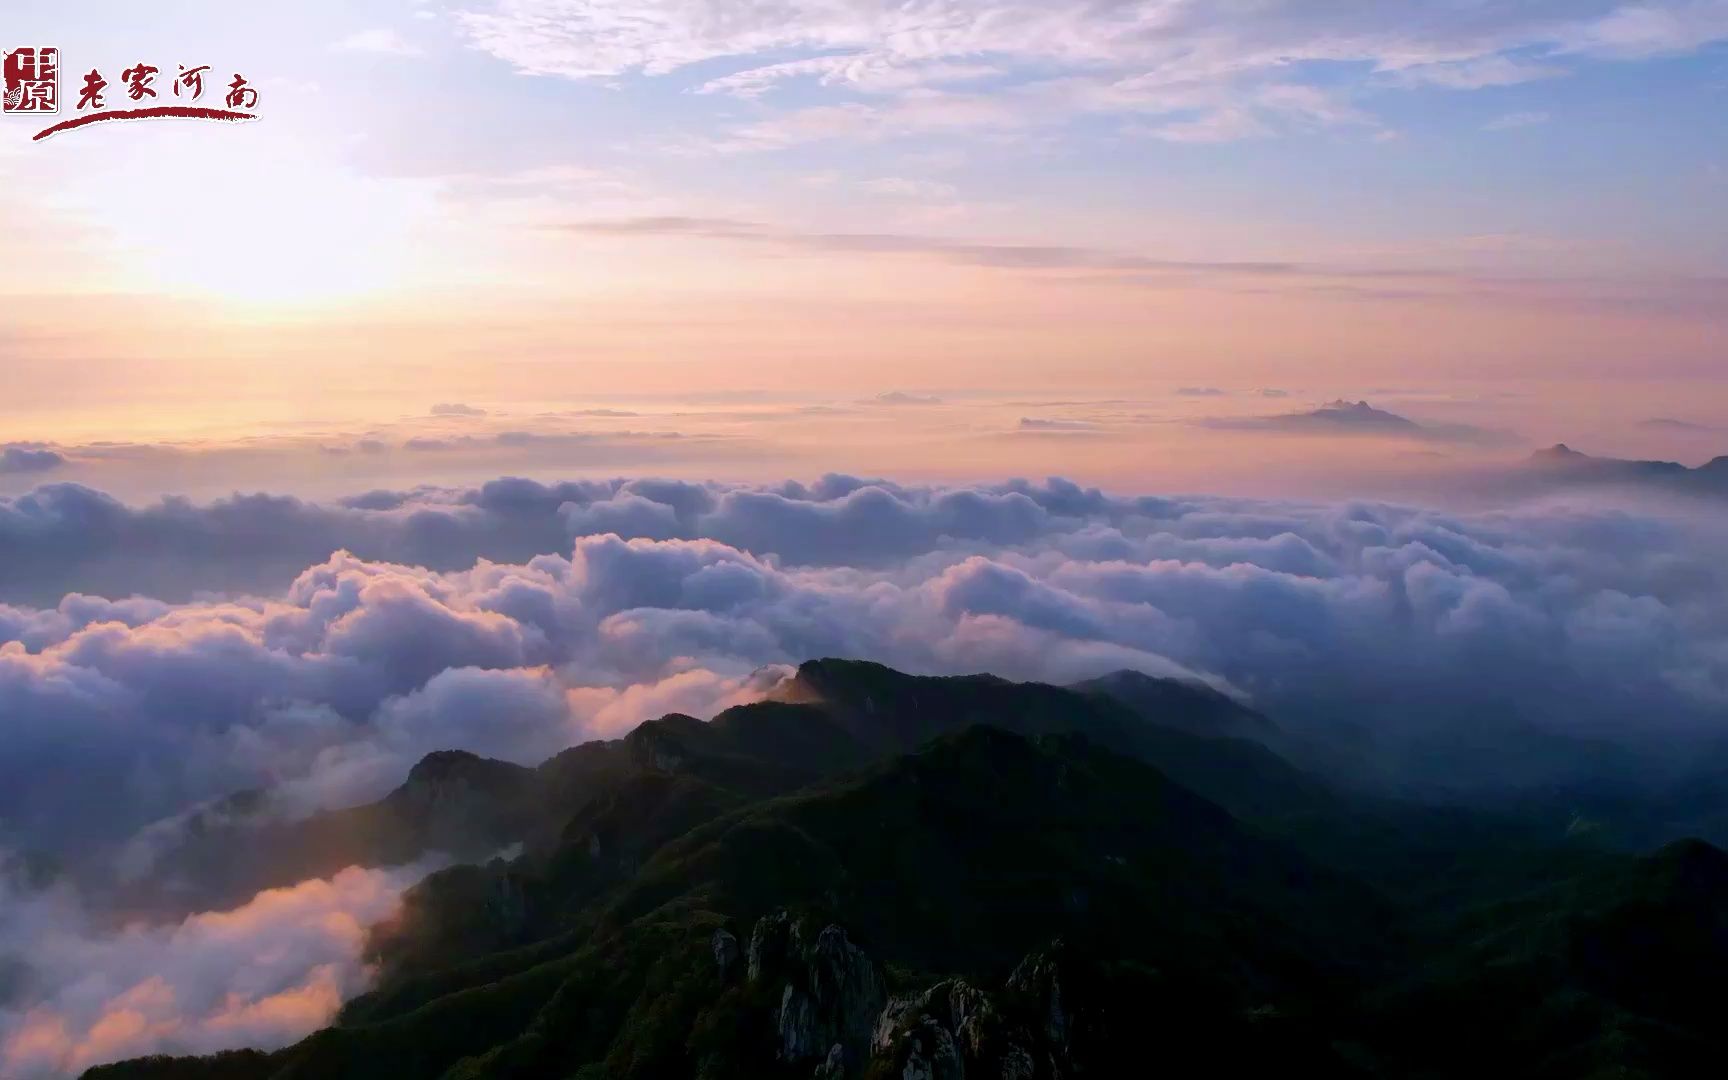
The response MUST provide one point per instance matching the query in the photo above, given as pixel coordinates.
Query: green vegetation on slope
(887, 875)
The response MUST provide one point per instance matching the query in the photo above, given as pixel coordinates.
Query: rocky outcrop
(846, 986)
(725, 946)
(948, 1032)
(1056, 996)
(833, 1067)
(829, 1008)
(929, 1053)
(768, 942)
(831, 992)
(797, 1027)
(1037, 982)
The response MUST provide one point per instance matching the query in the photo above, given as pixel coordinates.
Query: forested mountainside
(885, 875)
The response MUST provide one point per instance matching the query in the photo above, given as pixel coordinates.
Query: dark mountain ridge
(879, 874)
(831, 716)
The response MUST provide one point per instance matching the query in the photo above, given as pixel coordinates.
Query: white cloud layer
(651, 595)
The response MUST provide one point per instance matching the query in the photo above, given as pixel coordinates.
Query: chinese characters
(140, 91)
(140, 83)
(94, 84)
(241, 96)
(138, 80)
(32, 80)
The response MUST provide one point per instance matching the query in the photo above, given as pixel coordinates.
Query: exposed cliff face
(949, 1031)
(831, 995)
(831, 1010)
(725, 948)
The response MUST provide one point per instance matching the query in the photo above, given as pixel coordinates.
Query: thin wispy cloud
(1367, 281)
(1475, 74)
(1211, 73)
(380, 40)
(1218, 126)
(1048, 424)
(903, 187)
(1516, 120)
(1005, 255)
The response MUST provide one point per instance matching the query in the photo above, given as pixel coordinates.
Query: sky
(534, 207)
(531, 368)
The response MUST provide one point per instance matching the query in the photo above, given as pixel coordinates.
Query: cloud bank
(1570, 615)
(29, 458)
(264, 974)
(456, 409)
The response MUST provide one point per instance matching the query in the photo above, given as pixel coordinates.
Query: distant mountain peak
(1342, 417)
(1709, 478)
(457, 777)
(449, 764)
(439, 761)
(666, 743)
(1360, 412)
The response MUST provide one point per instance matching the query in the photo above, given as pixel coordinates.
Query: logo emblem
(32, 80)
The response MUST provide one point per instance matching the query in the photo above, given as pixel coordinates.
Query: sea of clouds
(156, 657)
